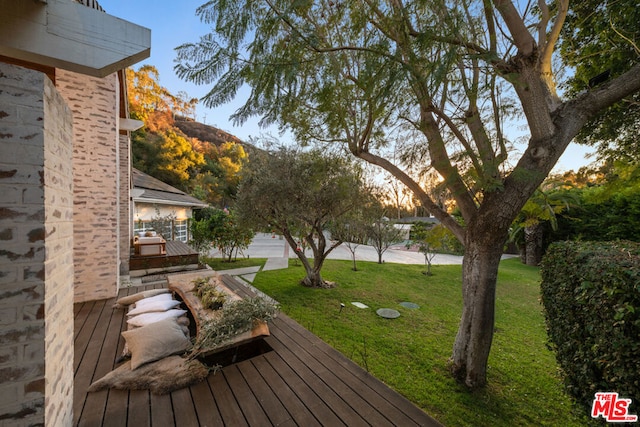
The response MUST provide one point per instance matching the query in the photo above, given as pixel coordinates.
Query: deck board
(299, 413)
(249, 404)
(302, 381)
(205, 404)
(185, 413)
(116, 409)
(310, 373)
(364, 399)
(269, 401)
(139, 410)
(229, 409)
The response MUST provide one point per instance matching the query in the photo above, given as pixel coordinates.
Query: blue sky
(175, 22)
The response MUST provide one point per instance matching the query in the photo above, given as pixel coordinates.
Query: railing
(93, 4)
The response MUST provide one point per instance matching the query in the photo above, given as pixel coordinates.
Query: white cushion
(150, 239)
(130, 299)
(154, 299)
(153, 307)
(149, 318)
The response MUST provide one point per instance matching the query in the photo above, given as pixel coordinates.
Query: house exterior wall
(124, 202)
(148, 211)
(36, 265)
(96, 165)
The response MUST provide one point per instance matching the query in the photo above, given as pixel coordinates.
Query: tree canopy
(441, 81)
(603, 40)
(299, 193)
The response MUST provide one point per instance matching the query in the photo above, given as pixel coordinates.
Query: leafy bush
(210, 296)
(237, 317)
(591, 298)
(221, 229)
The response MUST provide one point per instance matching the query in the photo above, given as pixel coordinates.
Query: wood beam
(69, 35)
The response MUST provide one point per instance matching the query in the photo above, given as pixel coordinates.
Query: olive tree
(300, 193)
(441, 80)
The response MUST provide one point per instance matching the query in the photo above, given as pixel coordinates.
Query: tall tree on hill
(151, 102)
(452, 72)
(167, 155)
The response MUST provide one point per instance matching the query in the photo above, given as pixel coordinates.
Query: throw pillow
(154, 299)
(130, 299)
(155, 341)
(149, 318)
(156, 306)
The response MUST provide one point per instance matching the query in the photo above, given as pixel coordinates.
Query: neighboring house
(406, 224)
(404, 230)
(65, 184)
(154, 199)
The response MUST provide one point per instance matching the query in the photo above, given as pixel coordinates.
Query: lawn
(410, 353)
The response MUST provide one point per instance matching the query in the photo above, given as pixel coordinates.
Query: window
(141, 227)
(181, 230)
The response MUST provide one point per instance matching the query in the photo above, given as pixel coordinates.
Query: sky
(173, 23)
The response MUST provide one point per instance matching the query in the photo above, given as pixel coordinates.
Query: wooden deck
(178, 254)
(293, 378)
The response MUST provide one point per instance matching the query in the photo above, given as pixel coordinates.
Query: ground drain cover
(388, 313)
(360, 305)
(412, 305)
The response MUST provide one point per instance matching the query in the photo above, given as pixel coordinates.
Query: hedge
(591, 299)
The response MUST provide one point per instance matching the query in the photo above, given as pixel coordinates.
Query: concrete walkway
(277, 251)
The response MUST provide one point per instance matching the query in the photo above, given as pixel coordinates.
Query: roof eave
(168, 202)
(68, 35)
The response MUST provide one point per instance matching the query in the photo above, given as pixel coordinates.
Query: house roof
(151, 190)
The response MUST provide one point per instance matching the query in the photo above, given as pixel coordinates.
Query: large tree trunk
(313, 278)
(475, 333)
(533, 235)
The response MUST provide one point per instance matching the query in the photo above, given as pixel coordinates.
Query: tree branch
(550, 41)
(442, 163)
(544, 21)
(425, 199)
(519, 31)
(592, 102)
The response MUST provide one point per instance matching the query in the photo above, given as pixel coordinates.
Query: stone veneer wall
(36, 252)
(95, 107)
(125, 204)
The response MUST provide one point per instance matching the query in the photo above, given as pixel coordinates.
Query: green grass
(410, 353)
(220, 264)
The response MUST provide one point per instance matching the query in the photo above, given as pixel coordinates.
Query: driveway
(266, 245)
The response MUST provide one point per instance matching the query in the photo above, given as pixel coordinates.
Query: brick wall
(36, 237)
(125, 204)
(95, 166)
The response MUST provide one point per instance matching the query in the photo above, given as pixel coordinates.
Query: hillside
(206, 133)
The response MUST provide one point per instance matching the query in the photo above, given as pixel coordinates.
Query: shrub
(210, 296)
(219, 228)
(591, 299)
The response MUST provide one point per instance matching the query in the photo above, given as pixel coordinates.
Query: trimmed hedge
(591, 299)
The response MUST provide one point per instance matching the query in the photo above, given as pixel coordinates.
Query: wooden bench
(182, 285)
